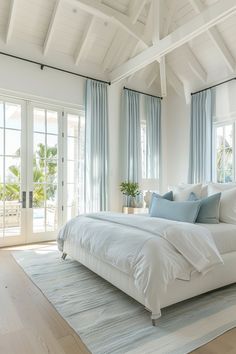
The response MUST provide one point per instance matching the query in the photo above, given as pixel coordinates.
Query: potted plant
(131, 191)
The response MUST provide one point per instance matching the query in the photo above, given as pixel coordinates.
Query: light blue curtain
(96, 146)
(153, 137)
(131, 136)
(200, 158)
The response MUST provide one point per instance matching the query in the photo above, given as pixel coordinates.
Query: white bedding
(153, 251)
(224, 236)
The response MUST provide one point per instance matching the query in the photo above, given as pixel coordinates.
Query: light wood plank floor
(29, 324)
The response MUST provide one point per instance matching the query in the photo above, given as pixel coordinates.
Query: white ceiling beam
(10, 21)
(163, 77)
(84, 41)
(216, 38)
(96, 8)
(135, 9)
(51, 28)
(174, 81)
(207, 19)
(111, 52)
(169, 19)
(194, 64)
(156, 21)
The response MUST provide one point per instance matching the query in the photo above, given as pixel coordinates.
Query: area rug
(110, 322)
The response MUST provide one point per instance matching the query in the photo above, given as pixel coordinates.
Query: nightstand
(130, 210)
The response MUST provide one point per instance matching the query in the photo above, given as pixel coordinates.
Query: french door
(41, 156)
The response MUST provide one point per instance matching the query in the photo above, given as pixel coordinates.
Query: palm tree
(44, 170)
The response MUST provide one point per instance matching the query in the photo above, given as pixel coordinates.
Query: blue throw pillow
(209, 212)
(178, 211)
(168, 196)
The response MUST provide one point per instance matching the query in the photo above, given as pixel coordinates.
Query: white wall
(27, 79)
(176, 119)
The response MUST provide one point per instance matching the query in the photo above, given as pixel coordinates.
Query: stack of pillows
(208, 204)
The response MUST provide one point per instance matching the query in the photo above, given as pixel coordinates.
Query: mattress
(224, 236)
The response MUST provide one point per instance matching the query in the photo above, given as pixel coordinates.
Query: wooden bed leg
(64, 256)
(155, 319)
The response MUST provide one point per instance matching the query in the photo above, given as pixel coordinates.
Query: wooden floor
(30, 325)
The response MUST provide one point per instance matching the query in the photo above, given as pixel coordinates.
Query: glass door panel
(12, 176)
(45, 173)
(74, 152)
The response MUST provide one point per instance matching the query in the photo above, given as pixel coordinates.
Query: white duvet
(151, 250)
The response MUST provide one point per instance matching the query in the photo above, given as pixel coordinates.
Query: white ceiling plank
(216, 38)
(207, 19)
(222, 48)
(194, 63)
(111, 52)
(51, 28)
(10, 21)
(163, 77)
(172, 9)
(155, 21)
(135, 9)
(152, 76)
(107, 13)
(174, 81)
(81, 48)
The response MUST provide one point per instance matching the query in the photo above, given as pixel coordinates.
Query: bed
(158, 262)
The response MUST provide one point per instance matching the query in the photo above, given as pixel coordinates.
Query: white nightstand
(130, 210)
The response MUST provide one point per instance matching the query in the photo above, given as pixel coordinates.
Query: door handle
(30, 199)
(23, 201)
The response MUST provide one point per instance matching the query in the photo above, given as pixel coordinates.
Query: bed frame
(177, 291)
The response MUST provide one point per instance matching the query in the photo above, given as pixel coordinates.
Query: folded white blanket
(153, 251)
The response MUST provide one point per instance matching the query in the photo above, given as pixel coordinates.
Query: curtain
(200, 158)
(96, 146)
(131, 136)
(153, 136)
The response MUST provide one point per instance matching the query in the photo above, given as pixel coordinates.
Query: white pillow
(182, 191)
(220, 187)
(227, 203)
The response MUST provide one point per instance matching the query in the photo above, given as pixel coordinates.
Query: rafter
(163, 77)
(135, 9)
(194, 64)
(107, 13)
(156, 21)
(84, 41)
(174, 81)
(216, 38)
(51, 27)
(11, 18)
(207, 19)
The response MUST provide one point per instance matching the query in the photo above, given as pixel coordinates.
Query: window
(144, 148)
(75, 139)
(224, 152)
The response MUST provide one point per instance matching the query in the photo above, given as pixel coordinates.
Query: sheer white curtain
(131, 136)
(153, 137)
(200, 158)
(96, 146)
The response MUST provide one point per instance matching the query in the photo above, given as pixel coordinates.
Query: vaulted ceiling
(187, 44)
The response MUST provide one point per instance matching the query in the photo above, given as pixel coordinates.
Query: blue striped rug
(108, 321)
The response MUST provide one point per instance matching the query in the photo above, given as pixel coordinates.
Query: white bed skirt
(177, 291)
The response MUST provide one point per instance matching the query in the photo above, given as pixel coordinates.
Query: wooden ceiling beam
(10, 20)
(51, 27)
(82, 45)
(135, 9)
(96, 8)
(202, 22)
(216, 38)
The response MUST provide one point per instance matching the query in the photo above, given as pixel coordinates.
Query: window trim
(231, 120)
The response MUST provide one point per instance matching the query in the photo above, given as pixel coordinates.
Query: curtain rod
(143, 93)
(42, 66)
(208, 88)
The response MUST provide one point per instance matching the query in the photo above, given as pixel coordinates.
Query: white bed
(177, 290)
